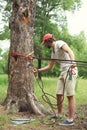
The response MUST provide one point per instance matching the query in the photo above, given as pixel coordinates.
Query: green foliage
(8, 6)
(0, 52)
(50, 18)
(4, 62)
(83, 68)
(5, 9)
(70, 4)
(5, 34)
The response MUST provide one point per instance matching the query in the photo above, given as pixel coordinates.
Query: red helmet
(46, 37)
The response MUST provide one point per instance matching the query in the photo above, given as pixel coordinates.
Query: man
(60, 50)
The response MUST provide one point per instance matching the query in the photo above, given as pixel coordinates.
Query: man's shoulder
(60, 43)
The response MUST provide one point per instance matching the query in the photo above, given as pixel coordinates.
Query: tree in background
(51, 17)
(5, 11)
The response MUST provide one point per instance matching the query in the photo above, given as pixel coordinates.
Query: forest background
(49, 19)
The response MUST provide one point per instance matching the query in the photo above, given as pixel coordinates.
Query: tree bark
(20, 94)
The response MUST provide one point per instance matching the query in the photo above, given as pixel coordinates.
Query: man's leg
(71, 106)
(59, 104)
(71, 111)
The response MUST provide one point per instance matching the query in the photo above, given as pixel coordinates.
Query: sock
(70, 120)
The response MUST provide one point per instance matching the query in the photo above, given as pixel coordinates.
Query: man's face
(48, 45)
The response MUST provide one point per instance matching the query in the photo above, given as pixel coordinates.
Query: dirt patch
(41, 123)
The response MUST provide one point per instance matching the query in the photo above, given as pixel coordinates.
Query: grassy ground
(3, 86)
(49, 86)
(41, 123)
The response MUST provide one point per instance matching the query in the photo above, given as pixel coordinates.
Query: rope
(45, 94)
(30, 57)
(62, 60)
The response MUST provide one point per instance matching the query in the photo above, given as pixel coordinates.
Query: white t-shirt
(58, 53)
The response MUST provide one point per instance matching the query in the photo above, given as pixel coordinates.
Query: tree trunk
(20, 94)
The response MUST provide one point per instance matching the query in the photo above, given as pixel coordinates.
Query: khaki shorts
(65, 85)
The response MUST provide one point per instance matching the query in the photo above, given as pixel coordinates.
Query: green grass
(3, 86)
(49, 86)
(81, 92)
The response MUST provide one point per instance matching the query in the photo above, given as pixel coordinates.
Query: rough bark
(20, 94)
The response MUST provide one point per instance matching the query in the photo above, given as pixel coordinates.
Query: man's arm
(67, 49)
(46, 68)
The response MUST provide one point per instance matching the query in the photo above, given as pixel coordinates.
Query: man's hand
(73, 69)
(73, 65)
(29, 55)
(34, 70)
